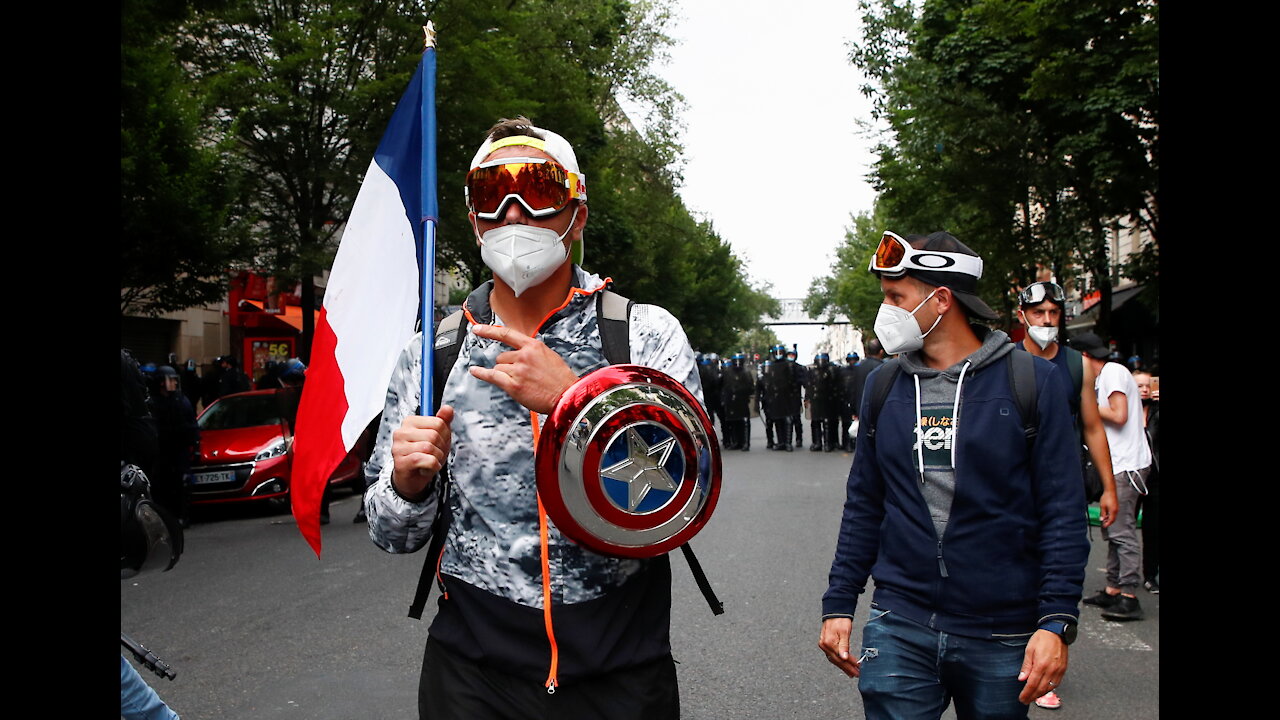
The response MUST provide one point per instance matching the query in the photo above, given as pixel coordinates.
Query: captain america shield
(628, 464)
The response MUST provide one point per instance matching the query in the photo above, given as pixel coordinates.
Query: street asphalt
(257, 626)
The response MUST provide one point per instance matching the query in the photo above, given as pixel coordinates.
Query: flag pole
(430, 216)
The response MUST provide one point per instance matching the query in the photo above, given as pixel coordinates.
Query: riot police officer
(848, 398)
(709, 373)
(824, 403)
(781, 396)
(802, 383)
(736, 394)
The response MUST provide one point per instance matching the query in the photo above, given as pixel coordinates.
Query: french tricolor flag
(369, 309)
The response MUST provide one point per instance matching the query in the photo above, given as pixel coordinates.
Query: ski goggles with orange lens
(543, 187)
(895, 256)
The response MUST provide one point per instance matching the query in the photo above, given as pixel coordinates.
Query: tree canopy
(181, 218)
(849, 288)
(1028, 129)
(301, 90)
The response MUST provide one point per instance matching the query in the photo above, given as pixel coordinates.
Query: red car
(246, 451)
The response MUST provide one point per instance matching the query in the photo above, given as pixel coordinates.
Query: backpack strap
(885, 376)
(613, 314)
(448, 343)
(1022, 380)
(1075, 368)
(717, 607)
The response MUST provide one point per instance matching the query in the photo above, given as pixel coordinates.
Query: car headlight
(278, 447)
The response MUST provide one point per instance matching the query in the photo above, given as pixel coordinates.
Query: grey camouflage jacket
(493, 539)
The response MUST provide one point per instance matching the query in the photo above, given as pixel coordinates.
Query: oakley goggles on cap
(544, 187)
(1038, 292)
(895, 256)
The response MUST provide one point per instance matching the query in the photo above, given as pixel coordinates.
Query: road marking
(1114, 635)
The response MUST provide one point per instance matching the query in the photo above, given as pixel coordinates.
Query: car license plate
(207, 478)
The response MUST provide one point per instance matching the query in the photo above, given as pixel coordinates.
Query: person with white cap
(530, 624)
(969, 513)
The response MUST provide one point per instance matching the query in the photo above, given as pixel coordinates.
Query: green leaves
(271, 111)
(850, 288)
(1029, 129)
(181, 219)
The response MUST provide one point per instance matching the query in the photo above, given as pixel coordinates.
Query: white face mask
(1043, 335)
(898, 330)
(524, 255)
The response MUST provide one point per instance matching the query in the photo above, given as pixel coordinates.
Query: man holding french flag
(529, 623)
(549, 622)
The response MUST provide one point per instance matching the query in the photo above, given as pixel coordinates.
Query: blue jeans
(137, 700)
(911, 672)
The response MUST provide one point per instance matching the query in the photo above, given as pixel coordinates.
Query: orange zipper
(546, 579)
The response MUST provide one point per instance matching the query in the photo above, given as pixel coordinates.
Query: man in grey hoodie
(975, 533)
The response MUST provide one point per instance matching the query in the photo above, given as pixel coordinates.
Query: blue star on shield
(639, 469)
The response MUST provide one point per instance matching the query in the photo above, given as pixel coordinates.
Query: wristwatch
(1063, 629)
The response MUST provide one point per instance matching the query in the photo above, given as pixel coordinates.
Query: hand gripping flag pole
(382, 278)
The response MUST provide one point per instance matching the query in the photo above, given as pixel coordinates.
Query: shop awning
(292, 315)
(1088, 318)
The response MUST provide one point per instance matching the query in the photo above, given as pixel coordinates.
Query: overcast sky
(774, 157)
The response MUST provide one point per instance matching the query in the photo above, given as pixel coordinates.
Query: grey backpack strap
(613, 313)
(448, 343)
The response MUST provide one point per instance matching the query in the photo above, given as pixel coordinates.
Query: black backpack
(613, 314)
(1022, 379)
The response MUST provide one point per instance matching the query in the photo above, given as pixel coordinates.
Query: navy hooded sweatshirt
(991, 539)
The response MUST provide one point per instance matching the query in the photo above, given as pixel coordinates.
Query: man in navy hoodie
(975, 536)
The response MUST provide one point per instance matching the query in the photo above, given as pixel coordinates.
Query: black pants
(455, 688)
(744, 433)
(824, 432)
(846, 440)
(783, 430)
(169, 489)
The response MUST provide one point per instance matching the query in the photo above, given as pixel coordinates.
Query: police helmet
(294, 371)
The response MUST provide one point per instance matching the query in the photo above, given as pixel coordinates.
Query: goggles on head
(543, 187)
(895, 256)
(1038, 292)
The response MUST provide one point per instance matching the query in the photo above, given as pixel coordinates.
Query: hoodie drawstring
(955, 416)
(919, 431)
(955, 422)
